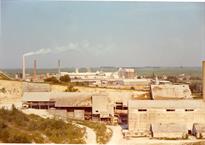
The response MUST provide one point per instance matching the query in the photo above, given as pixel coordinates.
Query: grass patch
(17, 127)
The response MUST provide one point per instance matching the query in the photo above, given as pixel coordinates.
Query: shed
(169, 131)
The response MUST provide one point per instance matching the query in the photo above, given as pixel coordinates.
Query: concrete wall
(170, 91)
(79, 114)
(36, 87)
(102, 105)
(140, 121)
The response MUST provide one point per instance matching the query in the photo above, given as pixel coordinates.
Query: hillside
(17, 127)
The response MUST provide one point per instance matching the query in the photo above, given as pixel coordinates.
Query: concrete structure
(169, 131)
(36, 87)
(199, 130)
(34, 71)
(23, 68)
(143, 113)
(59, 68)
(203, 78)
(77, 104)
(169, 91)
(126, 73)
(102, 106)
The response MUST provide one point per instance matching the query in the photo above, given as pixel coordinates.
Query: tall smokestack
(23, 69)
(34, 70)
(203, 79)
(59, 68)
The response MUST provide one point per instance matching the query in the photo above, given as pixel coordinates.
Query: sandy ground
(12, 94)
(117, 139)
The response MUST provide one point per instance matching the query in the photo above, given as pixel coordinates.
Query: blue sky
(90, 34)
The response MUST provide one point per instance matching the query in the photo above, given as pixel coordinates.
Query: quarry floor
(117, 139)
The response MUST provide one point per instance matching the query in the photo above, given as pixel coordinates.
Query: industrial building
(171, 91)
(172, 113)
(183, 114)
(126, 73)
(142, 114)
(83, 105)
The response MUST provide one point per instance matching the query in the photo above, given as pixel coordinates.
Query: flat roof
(166, 104)
(36, 96)
(47, 96)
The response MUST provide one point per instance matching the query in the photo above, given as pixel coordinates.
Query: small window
(142, 110)
(189, 110)
(170, 110)
(96, 111)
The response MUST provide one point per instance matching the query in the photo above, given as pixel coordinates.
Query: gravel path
(89, 135)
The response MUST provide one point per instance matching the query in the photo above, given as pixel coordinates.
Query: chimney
(23, 69)
(59, 68)
(203, 79)
(76, 70)
(34, 70)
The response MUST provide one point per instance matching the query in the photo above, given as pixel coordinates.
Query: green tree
(65, 78)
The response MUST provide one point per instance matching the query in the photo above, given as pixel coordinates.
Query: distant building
(126, 73)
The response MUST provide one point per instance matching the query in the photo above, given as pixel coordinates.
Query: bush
(65, 78)
(70, 88)
(18, 137)
(17, 127)
(3, 90)
(52, 80)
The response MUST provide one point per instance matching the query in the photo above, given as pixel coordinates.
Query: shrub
(65, 78)
(18, 137)
(17, 127)
(102, 134)
(3, 90)
(70, 88)
(52, 80)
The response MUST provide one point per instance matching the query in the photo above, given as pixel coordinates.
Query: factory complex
(165, 111)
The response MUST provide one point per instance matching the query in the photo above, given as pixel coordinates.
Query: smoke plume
(71, 46)
(84, 46)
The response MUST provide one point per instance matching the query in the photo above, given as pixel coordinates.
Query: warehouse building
(76, 104)
(142, 114)
(174, 118)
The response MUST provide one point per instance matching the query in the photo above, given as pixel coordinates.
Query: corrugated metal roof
(74, 101)
(166, 104)
(62, 99)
